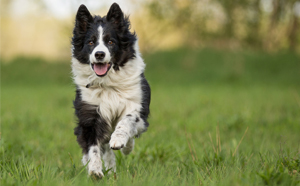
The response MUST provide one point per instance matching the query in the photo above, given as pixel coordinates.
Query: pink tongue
(100, 68)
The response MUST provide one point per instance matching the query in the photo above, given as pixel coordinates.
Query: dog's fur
(112, 96)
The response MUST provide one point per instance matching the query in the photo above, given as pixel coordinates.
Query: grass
(217, 118)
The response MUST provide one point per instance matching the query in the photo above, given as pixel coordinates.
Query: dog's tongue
(100, 68)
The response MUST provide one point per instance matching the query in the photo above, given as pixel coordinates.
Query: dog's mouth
(101, 69)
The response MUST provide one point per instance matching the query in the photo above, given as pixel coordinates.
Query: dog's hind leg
(109, 159)
(128, 147)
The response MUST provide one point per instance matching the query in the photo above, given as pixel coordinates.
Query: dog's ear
(83, 18)
(115, 14)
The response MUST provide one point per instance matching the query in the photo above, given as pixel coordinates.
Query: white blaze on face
(101, 47)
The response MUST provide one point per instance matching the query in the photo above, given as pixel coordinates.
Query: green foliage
(226, 23)
(202, 104)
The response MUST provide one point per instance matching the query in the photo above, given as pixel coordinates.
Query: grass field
(217, 118)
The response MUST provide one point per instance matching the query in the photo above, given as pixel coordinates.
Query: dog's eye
(110, 42)
(91, 43)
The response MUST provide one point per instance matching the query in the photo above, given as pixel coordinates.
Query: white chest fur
(117, 94)
(113, 103)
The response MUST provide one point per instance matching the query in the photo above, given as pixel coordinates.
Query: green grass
(217, 118)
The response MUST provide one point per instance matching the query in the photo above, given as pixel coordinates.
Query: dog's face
(103, 42)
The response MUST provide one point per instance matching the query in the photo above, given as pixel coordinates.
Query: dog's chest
(112, 103)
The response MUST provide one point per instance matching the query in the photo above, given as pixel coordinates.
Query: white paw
(95, 169)
(118, 140)
(96, 174)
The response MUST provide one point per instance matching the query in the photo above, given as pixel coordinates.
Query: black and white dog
(112, 96)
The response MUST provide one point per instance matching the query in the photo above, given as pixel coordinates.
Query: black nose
(99, 55)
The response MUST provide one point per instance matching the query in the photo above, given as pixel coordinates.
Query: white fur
(95, 163)
(126, 129)
(93, 157)
(85, 159)
(101, 47)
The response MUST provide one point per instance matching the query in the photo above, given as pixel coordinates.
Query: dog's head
(103, 42)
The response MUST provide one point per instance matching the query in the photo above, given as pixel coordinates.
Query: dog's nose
(99, 55)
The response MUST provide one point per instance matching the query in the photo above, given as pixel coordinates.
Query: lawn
(217, 118)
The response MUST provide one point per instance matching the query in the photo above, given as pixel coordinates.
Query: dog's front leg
(93, 158)
(130, 126)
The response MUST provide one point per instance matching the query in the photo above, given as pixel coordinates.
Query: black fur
(91, 127)
(146, 98)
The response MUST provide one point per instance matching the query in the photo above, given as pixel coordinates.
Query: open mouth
(101, 69)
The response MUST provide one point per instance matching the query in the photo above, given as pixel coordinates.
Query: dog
(112, 95)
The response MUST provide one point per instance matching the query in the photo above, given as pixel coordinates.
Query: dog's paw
(95, 168)
(118, 141)
(96, 174)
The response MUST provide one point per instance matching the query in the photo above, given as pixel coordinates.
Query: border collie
(112, 96)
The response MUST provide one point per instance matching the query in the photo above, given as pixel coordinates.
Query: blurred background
(225, 80)
(43, 27)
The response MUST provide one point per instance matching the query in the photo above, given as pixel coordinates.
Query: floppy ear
(83, 18)
(115, 14)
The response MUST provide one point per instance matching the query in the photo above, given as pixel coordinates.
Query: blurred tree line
(269, 25)
(263, 24)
